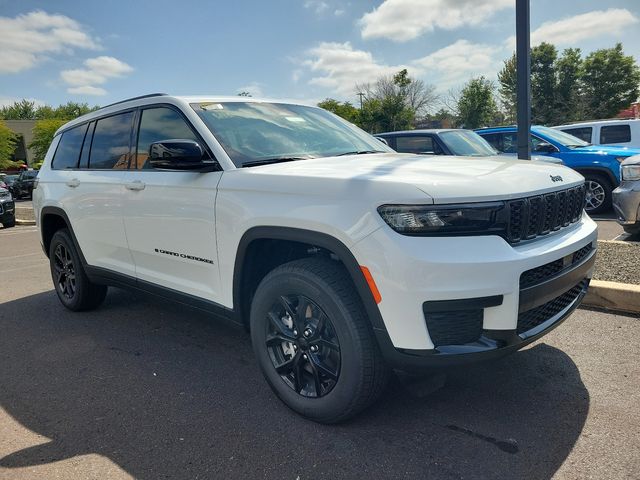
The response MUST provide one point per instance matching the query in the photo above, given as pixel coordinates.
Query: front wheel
(313, 342)
(598, 197)
(72, 285)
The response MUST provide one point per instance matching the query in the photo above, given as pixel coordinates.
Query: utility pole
(360, 94)
(523, 68)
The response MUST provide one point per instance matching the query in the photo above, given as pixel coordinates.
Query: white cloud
(403, 20)
(31, 38)
(459, 61)
(87, 90)
(571, 30)
(254, 88)
(339, 67)
(317, 6)
(338, 12)
(83, 81)
(6, 101)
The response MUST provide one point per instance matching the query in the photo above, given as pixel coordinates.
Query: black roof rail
(135, 98)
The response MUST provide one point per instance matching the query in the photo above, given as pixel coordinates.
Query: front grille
(534, 216)
(454, 327)
(544, 272)
(534, 317)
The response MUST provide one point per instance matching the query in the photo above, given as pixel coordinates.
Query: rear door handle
(135, 185)
(73, 183)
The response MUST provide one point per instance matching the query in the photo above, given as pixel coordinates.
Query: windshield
(562, 138)
(467, 143)
(256, 132)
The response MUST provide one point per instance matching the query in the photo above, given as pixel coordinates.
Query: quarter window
(583, 133)
(615, 134)
(110, 145)
(68, 150)
(159, 124)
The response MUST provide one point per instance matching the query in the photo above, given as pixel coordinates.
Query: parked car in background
(624, 133)
(626, 198)
(9, 180)
(599, 164)
(447, 141)
(23, 186)
(7, 209)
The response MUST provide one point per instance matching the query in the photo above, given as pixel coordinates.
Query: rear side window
(494, 139)
(111, 140)
(615, 134)
(158, 124)
(68, 151)
(583, 133)
(414, 144)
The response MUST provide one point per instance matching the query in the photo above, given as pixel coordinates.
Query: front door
(169, 216)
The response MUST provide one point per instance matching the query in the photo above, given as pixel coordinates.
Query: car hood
(608, 150)
(634, 160)
(445, 179)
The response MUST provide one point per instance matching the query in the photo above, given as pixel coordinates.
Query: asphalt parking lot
(146, 389)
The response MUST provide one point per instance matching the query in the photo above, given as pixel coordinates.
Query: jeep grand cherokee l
(343, 258)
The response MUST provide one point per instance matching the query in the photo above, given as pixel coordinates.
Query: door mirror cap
(383, 140)
(178, 154)
(545, 147)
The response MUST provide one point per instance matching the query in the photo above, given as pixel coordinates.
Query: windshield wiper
(268, 161)
(358, 152)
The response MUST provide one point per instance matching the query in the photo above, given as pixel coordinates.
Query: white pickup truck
(344, 259)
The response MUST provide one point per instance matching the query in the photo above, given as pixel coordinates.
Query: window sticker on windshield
(211, 106)
(295, 119)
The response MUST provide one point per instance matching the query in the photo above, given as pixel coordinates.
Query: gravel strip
(618, 262)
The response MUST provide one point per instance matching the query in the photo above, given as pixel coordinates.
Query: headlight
(631, 172)
(621, 159)
(434, 220)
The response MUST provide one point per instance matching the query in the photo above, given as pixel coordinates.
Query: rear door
(169, 216)
(91, 178)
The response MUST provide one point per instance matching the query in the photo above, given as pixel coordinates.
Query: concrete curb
(25, 222)
(622, 297)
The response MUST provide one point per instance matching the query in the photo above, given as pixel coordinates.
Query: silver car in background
(626, 198)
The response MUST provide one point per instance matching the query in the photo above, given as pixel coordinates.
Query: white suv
(343, 259)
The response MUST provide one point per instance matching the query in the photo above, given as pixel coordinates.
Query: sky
(100, 52)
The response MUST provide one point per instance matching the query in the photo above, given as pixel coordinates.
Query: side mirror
(177, 154)
(383, 140)
(545, 147)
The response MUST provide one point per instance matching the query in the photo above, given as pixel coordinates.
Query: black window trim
(136, 135)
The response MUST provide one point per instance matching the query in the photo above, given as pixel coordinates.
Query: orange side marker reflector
(372, 284)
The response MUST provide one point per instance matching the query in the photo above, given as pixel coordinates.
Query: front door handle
(73, 183)
(135, 185)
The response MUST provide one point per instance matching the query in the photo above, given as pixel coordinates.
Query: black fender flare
(59, 212)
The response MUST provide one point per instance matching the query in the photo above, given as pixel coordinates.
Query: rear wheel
(74, 289)
(10, 223)
(632, 229)
(313, 342)
(598, 198)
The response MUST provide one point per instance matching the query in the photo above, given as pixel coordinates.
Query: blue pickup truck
(600, 165)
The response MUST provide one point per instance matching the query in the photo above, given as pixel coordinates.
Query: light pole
(523, 69)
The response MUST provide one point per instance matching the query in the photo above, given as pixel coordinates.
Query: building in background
(24, 129)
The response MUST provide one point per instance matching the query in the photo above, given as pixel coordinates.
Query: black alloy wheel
(303, 346)
(64, 271)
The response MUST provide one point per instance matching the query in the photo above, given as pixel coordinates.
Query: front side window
(466, 143)
(615, 134)
(415, 144)
(68, 150)
(255, 133)
(158, 124)
(561, 137)
(110, 145)
(583, 133)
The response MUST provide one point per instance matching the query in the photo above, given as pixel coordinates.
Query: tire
(72, 285)
(632, 229)
(10, 224)
(322, 290)
(599, 190)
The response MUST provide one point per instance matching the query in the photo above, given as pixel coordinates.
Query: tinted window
(615, 134)
(159, 124)
(110, 145)
(583, 133)
(494, 139)
(68, 150)
(465, 142)
(415, 144)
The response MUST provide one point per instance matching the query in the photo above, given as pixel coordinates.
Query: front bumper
(626, 202)
(418, 277)
(7, 211)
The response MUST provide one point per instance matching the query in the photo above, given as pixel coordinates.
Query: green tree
(22, 110)
(8, 141)
(343, 109)
(507, 89)
(43, 132)
(543, 84)
(476, 106)
(71, 110)
(569, 101)
(610, 80)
